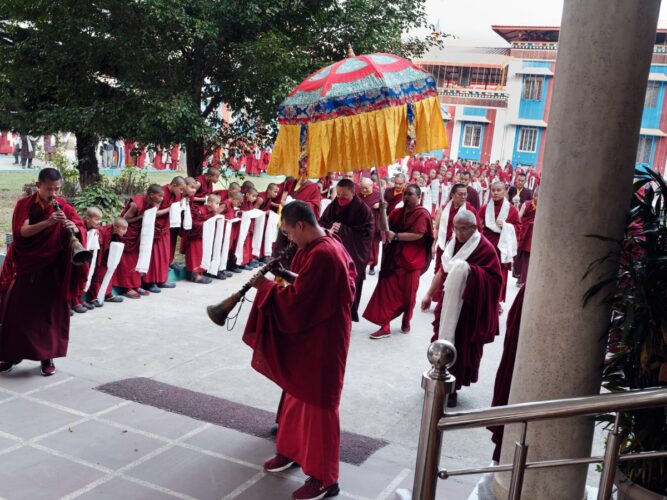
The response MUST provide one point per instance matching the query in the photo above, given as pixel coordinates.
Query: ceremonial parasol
(362, 112)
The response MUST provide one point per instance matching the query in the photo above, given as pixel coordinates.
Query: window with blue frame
(652, 91)
(472, 135)
(528, 140)
(533, 86)
(644, 150)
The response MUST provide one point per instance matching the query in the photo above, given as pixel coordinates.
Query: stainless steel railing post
(518, 465)
(438, 383)
(611, 454)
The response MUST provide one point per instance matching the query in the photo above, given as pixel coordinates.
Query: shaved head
(366, 182)
(212, 171)
(94, 212)
(178, 181)
(119, 222)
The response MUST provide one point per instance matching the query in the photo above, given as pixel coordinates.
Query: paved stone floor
(60, 438)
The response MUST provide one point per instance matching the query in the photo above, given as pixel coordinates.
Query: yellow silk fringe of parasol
(358, 142)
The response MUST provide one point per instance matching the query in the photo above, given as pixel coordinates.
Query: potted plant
(637, 343)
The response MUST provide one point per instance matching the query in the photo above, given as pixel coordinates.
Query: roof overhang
(654, 132)
(525, 122)
(473, 118)
(535, 71)
(657, 77)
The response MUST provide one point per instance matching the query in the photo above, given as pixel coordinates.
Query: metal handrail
(438, 383)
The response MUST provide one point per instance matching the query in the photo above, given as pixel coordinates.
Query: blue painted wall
(521, 157)
(651, 116)
(473, 154)
(534, 110)
(536, 64)
(474, 111)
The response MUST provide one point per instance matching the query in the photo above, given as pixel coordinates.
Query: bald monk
(38, 277)
(158, 270)
(349, 218)
(393, 195)
(108, 234)
(469, 281)
(91, 221)
(206, 183)
(444, 220)
(405, 257)
(300, 335)
(303, 189)
(495, 215)
(193, 240)
(503, 384)
(176, 233)
(126, 277)
(372, 198)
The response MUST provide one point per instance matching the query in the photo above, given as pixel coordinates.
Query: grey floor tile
(27, 377)
(153, 420)
(102, 444)
(192, 473)
(118, 488)
(270, 486)
(363, 482)
(79, 395)
(27, 419)
(449, 489)
(234, 444)
(33, 474)
(6, 443)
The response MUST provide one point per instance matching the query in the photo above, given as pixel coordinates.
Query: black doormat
(354, 448)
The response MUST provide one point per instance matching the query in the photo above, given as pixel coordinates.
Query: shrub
(130, 182)
(101, 195)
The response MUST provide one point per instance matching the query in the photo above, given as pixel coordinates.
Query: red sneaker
(382, 333)
(278, 463)
(313, 490)
(48, 368)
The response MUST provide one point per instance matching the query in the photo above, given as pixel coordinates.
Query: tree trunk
(85, 152)
(195, 157)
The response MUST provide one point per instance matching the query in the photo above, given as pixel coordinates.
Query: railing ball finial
(442, 355)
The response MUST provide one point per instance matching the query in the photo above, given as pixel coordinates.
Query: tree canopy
(158, 71)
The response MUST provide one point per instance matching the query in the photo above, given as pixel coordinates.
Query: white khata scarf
(457, 270)
(507, 243)
(444, 223)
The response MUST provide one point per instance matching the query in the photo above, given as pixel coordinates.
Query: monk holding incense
(38, 278)
(405, 257)
(469, 281)
(300, 336)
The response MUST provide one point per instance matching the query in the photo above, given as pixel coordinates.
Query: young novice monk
(92, 220)
(108, 234)
(193, 240)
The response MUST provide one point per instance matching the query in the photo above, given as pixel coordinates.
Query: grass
(11, 185)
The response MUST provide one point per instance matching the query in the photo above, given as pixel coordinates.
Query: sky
(470, 20)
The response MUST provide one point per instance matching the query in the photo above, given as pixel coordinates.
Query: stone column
(605, 50)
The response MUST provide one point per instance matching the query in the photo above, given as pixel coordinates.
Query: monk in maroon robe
(477, 322)
(303, 190)
(372, 198)
(126, 276)
(520, 194)
(405, 257)
(189, 190)
(193, 240)
(473, 196)
(394, 195)
(108, 234)
(38, 277)
(500, 204)
(300, 336)
(352, 221)
(527, 215)
(158, 270)
(232, 210)
(503, 384)
(206, 182)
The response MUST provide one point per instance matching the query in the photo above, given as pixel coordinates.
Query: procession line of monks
(300, 332)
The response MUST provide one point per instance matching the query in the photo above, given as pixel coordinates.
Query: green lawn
(11, 184)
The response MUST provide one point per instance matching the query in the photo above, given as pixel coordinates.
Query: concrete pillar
(605, 50)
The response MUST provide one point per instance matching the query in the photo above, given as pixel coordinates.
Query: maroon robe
(478, 322)
(473, 198)
(158, 268)
(525, 242)
(205, 188)
(39, 280)
(308, 192)
(393, 198)
(502, 386)
(300, 336)
(524, 196)
(247, 244)
(105, 238)
(193, 240)
(402, 264)
(371, 200)
(126, 275)
(356, 233)
(494, 238)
